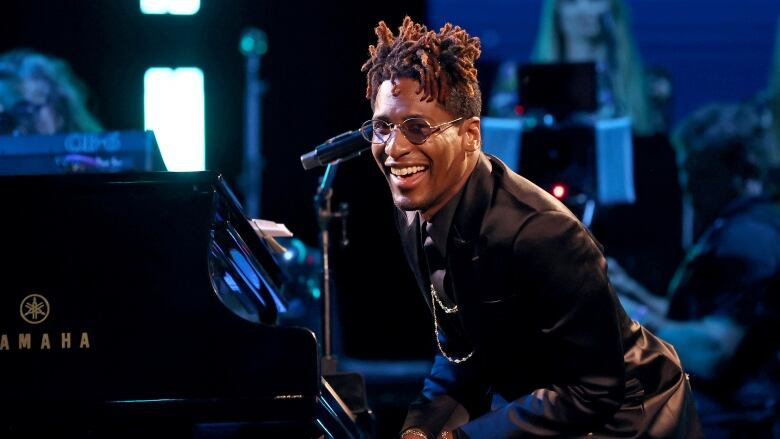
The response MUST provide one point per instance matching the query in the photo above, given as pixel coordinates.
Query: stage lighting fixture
(174, 108)
(172, 7)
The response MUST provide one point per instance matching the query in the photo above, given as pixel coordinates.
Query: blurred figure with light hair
(596, 31)
(773, 100)
(40, 94)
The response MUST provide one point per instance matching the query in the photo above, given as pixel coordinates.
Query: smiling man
(531, 338)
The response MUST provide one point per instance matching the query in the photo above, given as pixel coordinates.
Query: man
(524, 316)
(722, 309)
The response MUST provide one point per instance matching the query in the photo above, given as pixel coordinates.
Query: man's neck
(429, 213)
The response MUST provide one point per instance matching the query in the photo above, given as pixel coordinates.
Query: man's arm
(628, 287)
(704, 345)
(561, 266)
(445, 389)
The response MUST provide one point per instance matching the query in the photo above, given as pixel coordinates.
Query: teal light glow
(173, 7)
(174, 108)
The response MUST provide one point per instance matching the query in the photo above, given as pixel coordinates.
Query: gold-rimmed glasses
(416, 129)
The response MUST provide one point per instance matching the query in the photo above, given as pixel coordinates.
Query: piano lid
(165, 202)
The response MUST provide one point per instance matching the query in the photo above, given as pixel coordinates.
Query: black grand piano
(144, 304)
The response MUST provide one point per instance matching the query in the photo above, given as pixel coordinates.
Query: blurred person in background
(599, 31)
(40, 94)
(596, 31)
(772, 98)
(722, 309)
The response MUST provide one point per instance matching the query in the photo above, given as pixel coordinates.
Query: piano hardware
(177, 296)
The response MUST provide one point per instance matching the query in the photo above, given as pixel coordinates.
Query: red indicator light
(559, 191)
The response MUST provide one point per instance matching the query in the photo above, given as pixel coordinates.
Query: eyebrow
(409, 116)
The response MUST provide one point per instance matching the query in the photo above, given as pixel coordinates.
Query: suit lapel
(409, 227)
(465, 244)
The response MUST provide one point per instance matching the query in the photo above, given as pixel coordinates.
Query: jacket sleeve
(577, 313)
(449, 390)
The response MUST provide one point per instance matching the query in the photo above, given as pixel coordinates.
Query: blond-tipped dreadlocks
(442, 63)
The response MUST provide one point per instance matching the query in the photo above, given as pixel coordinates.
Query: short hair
(442, 63)
(735, 135)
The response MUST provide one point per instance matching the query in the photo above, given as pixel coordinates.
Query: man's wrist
(414, 432)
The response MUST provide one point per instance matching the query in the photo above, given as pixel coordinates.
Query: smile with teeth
(402, 172)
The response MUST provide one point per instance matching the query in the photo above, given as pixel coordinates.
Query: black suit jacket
(548, 331)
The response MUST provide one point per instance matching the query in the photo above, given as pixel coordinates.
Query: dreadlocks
(442, 63)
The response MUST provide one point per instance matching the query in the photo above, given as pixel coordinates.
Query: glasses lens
(416, 130)
(382, 128)
(367, 130)
(376, 131)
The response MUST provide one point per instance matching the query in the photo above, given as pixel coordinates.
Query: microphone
(336, 149)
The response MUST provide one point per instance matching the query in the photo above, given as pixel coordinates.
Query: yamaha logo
(34, 309)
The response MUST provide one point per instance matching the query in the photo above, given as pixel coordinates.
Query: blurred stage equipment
(113, 151)
(330, 154)
(174, 108)
(145, 305)
(253, 45)
(335, 150)
(173, 7)
(561, 144)
(558, 89)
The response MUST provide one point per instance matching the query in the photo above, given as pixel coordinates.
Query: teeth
(406, 171)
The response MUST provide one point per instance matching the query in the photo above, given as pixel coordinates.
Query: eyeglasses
(416, 129)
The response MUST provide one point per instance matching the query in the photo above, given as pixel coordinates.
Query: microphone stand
(349, 386)
(253, 46)
(325, 215)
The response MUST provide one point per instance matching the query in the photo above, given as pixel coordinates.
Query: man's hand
(626, 286)
(641, 313)
(417, 434)
(623, 282)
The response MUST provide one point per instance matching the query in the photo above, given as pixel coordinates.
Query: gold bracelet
(414, 432)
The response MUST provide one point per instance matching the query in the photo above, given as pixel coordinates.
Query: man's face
(709, 184)
(421, 177)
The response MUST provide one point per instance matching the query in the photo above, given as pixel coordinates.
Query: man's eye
(416, 127)
(381, 128)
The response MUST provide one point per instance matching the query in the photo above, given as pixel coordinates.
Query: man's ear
(471, 134)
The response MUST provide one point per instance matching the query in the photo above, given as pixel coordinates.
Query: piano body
(134, 304)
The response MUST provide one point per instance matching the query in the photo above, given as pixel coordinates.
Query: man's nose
(397, 145)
